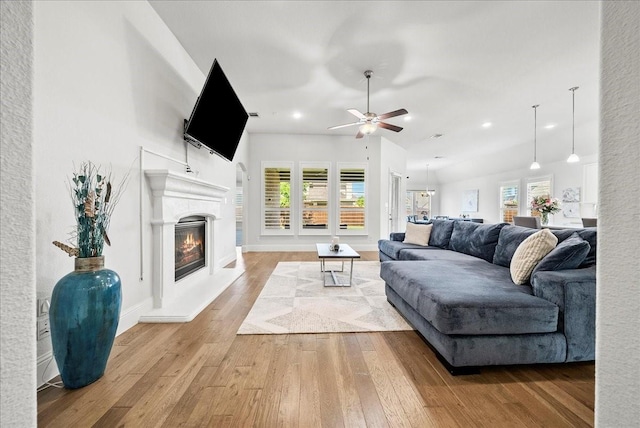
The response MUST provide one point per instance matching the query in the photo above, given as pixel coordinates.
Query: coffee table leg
(351, 273)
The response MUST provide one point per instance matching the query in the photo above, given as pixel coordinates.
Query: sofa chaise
(459, 294)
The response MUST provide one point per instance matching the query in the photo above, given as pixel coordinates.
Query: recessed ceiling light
(438, 157)
(436, 135)
(407, 118)
(487, 125)
(297, 115)
(550, 126)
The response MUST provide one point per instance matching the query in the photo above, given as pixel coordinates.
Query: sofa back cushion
(475, 239)
(510, 238)
(589, 234)
(441, 233)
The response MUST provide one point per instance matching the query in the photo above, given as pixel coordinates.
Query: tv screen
(218, 118)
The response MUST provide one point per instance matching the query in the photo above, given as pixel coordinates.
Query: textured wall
(618, 316)
(17, 269)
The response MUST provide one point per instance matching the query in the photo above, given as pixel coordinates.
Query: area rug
(294, 301)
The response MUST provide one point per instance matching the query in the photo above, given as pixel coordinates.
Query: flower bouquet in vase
(85, 304)
(544, 205)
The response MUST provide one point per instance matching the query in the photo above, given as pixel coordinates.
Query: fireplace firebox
(189, 246)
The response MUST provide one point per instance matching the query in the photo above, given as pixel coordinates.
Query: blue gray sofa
(457, 292)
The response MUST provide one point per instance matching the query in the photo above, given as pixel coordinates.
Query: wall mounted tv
(218, 118)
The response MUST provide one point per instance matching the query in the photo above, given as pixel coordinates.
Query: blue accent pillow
(569, 254)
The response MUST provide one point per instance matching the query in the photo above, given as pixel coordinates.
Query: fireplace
(190, 246)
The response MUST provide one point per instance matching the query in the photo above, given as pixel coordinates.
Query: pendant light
(535, 164)
(574, 157)
(430, 192)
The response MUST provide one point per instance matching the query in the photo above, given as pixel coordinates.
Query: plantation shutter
(509, 195)
(277, 198)
(315, 198)
(352, 199)
(537, 188)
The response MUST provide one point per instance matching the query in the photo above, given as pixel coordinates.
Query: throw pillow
(417, 234)
(529, 253)
(569, 254)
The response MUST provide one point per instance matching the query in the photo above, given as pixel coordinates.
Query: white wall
(110, 77)
(17, 222)
(618, 283)
(312, 148)
(564, 175)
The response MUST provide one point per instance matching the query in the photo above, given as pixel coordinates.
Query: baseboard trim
(131, 316)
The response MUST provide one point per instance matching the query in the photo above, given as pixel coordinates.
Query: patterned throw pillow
(417, 234)
(529, 253)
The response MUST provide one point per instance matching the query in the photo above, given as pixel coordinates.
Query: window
(540, 186)
(315, 198)
(509, 197)
(352, 193)
(276, 201)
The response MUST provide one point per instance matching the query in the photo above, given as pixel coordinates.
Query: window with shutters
(277, 189)
(352, 194)
(509, 200)
(540, 186)
(314, 213)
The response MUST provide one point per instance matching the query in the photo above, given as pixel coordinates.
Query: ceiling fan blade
(356, 113)
(393, 114)
(389, 126)
(345, 125)
(359, 135)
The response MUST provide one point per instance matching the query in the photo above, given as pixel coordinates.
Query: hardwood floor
(202, 374)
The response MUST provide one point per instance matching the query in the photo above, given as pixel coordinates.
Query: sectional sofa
(458, 292)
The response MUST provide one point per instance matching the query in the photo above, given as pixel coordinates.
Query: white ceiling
(453, 65)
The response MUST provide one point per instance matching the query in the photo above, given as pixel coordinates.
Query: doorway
(394, 202)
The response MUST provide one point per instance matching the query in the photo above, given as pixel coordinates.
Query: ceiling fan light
(535, 165)
(368, 128)
(573, 158)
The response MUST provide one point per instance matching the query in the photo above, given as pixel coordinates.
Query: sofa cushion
(393, 248)
(441, 233)
(510, 238)
(589, 234)
(434, 253)
(417, 234)
(475, 239)
(568, 254)
(475, 298)
(529, 253)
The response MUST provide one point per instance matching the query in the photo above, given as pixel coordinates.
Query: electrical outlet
(43, 328)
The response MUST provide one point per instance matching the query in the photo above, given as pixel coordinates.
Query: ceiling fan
(368, 121)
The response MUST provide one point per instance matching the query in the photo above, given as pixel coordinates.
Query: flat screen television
(218, 118)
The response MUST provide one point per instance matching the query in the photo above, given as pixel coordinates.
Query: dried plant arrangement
(94, 198)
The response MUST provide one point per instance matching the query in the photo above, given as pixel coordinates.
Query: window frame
(338, 209)
(300, 211)
(292, 200)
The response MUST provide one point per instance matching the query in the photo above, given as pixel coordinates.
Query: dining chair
(532, 222)
(589, 222)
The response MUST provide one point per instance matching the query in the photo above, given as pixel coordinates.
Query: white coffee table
(345, 252)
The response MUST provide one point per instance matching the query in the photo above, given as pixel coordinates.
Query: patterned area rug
(294, 301)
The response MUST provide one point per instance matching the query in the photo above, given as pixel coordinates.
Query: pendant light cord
(573, 120)
(535, 127)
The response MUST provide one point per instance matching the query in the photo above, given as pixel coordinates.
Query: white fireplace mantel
(177, 195)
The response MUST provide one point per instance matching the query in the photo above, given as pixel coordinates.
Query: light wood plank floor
(202, 374)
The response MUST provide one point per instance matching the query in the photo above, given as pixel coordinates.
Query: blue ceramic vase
(84, 314)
